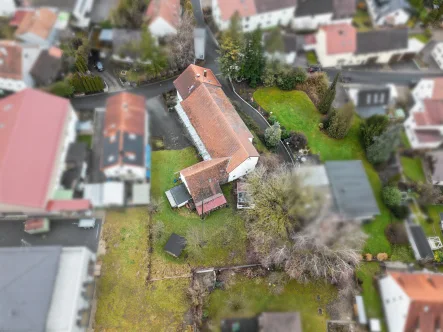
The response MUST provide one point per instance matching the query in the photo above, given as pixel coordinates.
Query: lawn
(86, 139)
(362, 20)
(312, 58)
(256, 297)
(421, 37)
(125, 303)
(413, 169)
(224, 229)
(371, 297)
(295, 111)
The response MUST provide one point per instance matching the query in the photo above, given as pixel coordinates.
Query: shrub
(438, 256)
(368, 257)
(285, 134)
(289, 77)
(382, 257)
(254, 104)
(340, 121)
(272, 119)
(321, 125)
(396, 233)
(372, 127)
(273, 135)
(315, 87)
(391, 196)
(298, 140)
(400, 211)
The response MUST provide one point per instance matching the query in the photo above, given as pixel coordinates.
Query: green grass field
(421, 37)
(295, 111)
(413, 169)
(371, 297)
(312, 58)
(256, 297)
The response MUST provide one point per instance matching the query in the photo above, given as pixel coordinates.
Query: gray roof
(382, 40)
(420, 241)
(264, 6)
(180, 194)
(313, 7)
(344, 8)
(26, 287)
(385, 7)
(377, 96)
(437, 158)
(46, 68)
(368, 111)
(351, 188)
(175, 245)
(76, 156)
(135, 145)
(121, 38)
(111, 150)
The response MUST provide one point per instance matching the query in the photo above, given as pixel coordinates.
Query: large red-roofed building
(36, 129)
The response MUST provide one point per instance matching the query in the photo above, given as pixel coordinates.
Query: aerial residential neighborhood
(215, 165)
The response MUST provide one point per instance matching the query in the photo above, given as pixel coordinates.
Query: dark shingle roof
(382, 40)
(351, 188)
(280, 321)
(46, 68)
(344, 8)
(313, 7)
(26, 285)
(421, 242)
(239, 325)
(175, 245)
(75, 158)
(386, 7)
(264, 6)
(180, 194)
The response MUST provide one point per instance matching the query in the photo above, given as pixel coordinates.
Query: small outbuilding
(175, 245)
(418, 241)
(178, 196)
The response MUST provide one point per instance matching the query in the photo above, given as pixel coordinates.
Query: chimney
(198, 75)
(205, 73)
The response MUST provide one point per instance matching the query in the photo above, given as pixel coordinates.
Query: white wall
(287, 58)
(437, 54)
(311, 22)
(395, 304)
(423, 90)
(82, 12)
(160, 28)
(244, 168)
(126, 172)
(7, 7)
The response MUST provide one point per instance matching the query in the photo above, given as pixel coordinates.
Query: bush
(340, 121)
(382, 257)
(298, 140)
(368, 257)
(438, 256)
(273, 135)
(396, 233)
(315, 87)
(285, 134)
(372, 127)
(272, 119)
(254, 104)
(391, 196)
(289, 77)
(400, 211)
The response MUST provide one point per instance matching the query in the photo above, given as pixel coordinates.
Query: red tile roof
(68, 205)
(437, 93)
(340, 38)
(425, 290)
(432, 114)
(11, 60)
(211, 204)
(169, 10)
(245, 8)
(192, 78)
(32, 127)
(39, 22)
(18, 17)
(428, 136)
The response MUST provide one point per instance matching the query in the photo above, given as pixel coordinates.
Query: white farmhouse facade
(437, 54)
(159, 27)
(312, 22)
(253, 13)
(7, 7)
(163, 17)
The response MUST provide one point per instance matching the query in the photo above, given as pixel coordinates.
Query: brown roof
(229, 7)
(432, 115)
(125, 112)
(10, 60)
(428, 136)
(169, 10)
(220, 132)
(39, 22)
(203, 179)
(425, 291)
(192, 78)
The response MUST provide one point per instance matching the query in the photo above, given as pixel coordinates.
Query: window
(382, 98)
(375, 98)
(368, 99)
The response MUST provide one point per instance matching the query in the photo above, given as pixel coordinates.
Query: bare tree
(196, 238)
(182, 44)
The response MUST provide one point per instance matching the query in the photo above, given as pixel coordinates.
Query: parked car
(99, 66)
(314, 69)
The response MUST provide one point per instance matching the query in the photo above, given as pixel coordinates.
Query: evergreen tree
(80, 64)
(253, 63)
(380, 151)
(235, 30)
(328, 97)
(230, 58)
(61, 89)
(273, 135)
(374, 126)
(340, 121)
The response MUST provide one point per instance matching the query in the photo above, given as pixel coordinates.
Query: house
(38, 27)
(16, 62)
(121, 38)
(428, 88)
(266, 321)
(175, 245)
(125, 138)
(8, 7)
(47, 68)
(389, 12)
(372, 99)
(253, 13)
(436, 166)
(341, 45)
(412, 301)
(347, 184)
(309, 15)
(32, 164)
(46, 288)
(419, 242)
(286, 52)
(437, 54)
(80, 10)
(219, 134)
(163, 17)
(75, 166)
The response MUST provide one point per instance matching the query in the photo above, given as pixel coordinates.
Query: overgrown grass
(371, 297)
(255, 297)
(421, 37)
(224, 229)
(413, 169)
(125, 303)
(295, 111)
(86, 139)
(405, 140)
(362, 20)
(312, 58)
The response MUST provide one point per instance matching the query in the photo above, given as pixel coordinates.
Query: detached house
(253, 13)
(341, 45)
(163, 17)
(309, 14)
(372, 100)
(36, 129)
(125, 137)
(16, 62)
(412, 301)
(37, 27)
(424, 126)
(389, 12)
(220, 136)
